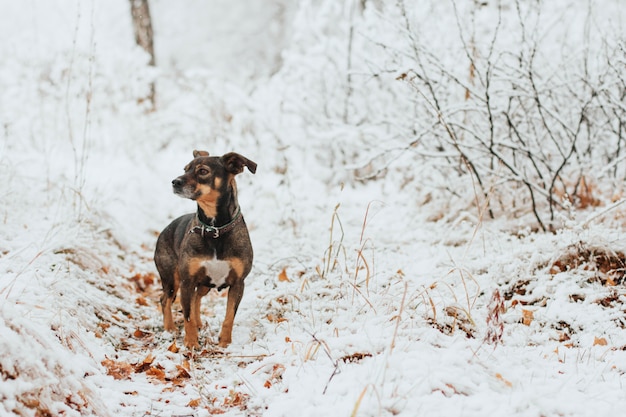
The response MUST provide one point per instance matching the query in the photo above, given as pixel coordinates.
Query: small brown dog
(208, 249)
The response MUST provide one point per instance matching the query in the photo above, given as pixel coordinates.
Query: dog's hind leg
(170, 288)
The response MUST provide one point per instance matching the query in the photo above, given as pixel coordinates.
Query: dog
(207, 249)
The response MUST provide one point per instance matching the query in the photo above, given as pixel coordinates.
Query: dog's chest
(216, 270)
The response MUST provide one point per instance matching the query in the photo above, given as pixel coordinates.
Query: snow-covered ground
(367, 298)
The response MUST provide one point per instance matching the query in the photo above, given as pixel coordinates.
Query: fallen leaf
(235, 399)
(527, 317)
(118, 370)
(355, 357)
(182, 372)
(194, 403)
(173, 348)
(140, 334)
(599, 341)
(145, 364)
(275, 319)
(141, 301)
(156, 373)
(283, 275)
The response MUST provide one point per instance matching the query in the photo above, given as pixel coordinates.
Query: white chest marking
(217, 270)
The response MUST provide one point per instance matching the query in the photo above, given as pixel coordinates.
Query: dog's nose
(177, 182)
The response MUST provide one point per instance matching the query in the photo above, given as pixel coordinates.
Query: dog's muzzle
(180, 188)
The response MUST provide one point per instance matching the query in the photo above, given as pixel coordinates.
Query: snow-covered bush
(526, 98)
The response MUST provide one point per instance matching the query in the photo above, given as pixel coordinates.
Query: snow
(374, 266)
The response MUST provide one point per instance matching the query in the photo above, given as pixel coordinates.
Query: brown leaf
(156, 373)
(355, 357)
(139, 334)
(182, 372)
(527, 317)
(118, 370)
(599, 341)
(145, 364)
(194, 403)
(236, 399)
(149, 359)
(141, 301)
(282, 277)
(275, 319)
(173, 348)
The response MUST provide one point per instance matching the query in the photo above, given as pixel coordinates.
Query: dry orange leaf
(194, 403)
(118, 370)
(283, 275)
(149, 359)
(527, 317)
(139, 334)
(173, 348)
(157, 373)
(599, 341)
(275, 319)
(182, 372)
(141, 301)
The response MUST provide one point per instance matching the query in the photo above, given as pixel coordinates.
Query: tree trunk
(142, 25)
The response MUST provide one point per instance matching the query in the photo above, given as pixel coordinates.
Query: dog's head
(206, 178)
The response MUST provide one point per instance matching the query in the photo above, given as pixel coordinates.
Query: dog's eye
(203, 172)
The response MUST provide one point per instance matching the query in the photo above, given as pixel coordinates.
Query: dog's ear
(234, 163)
(200, 153)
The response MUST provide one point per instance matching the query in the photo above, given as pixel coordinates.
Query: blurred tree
(142, 25)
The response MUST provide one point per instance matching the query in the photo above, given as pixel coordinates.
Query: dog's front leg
(235, 293)
(188, 295)
(195, 305)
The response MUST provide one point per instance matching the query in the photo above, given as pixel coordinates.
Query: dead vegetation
(583, 273)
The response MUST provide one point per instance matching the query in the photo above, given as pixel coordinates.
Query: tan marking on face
(207, 200)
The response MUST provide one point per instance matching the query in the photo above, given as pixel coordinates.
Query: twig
(601, 213)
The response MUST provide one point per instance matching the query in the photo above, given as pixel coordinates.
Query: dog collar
(215, 231)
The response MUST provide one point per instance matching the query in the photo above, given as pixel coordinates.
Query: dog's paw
(191, 344)
(224, 342)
